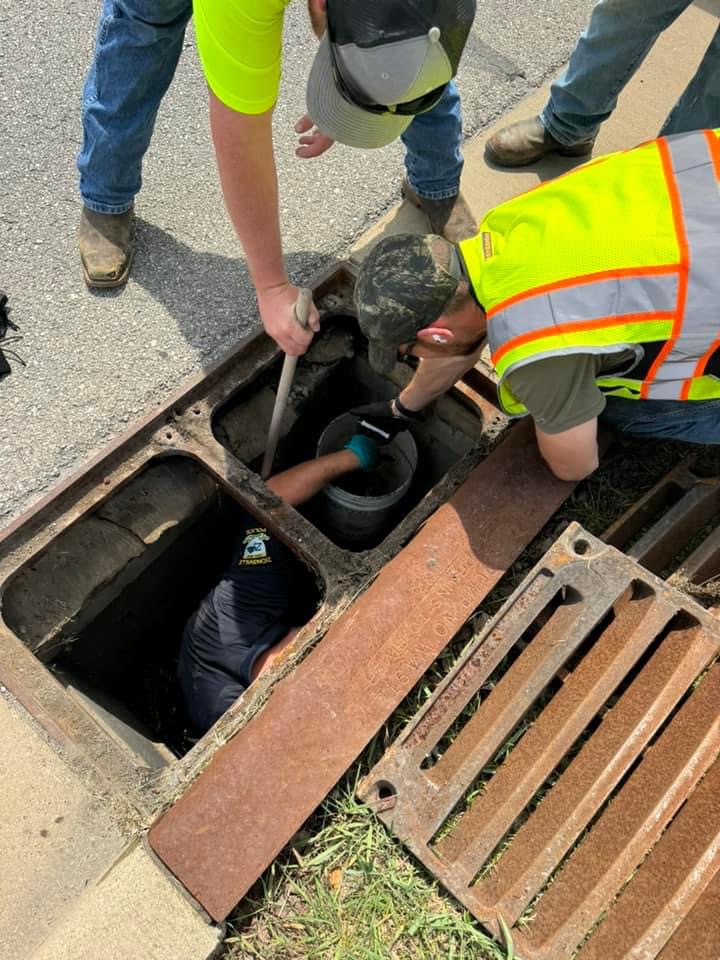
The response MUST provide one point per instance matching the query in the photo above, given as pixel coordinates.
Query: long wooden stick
(302, 312)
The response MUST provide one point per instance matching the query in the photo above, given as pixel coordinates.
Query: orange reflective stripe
(714, 148)
(681, 235)
(579, 327)
(655, 270)
(700, 368)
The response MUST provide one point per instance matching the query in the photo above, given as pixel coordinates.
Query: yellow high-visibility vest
(622, 253)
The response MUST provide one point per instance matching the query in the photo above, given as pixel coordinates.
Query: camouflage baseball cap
(403, 286)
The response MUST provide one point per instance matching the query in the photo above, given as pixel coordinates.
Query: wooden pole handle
(303, 305)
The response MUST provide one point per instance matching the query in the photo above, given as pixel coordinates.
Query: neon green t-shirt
(240, 44)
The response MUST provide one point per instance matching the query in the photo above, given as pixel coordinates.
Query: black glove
(5, 325)
(378, 421)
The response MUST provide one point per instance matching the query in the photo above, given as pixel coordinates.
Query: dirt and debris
(329, 346)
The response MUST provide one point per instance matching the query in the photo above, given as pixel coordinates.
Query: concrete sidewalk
(55, 837)
(80, 887)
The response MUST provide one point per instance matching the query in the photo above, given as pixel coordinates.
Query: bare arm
(433, 377)
(246, 163)
(314, 142)
(302, 482)
(268, 658)
(572, 454)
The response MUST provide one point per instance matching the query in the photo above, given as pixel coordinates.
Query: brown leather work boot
(105, 241)
(527, 141)
(450, 218)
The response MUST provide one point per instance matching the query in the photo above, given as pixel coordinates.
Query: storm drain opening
(105, 603)
(574, 806)
(564, 604)
(332, 378)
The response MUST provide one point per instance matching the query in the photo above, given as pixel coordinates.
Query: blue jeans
(693, 421)
(615, 43)
(136, 53)
(434, 160)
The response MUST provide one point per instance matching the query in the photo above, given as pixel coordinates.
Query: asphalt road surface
(98, 361)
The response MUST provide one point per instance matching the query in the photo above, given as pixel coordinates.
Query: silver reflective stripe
(584, 302)
(700, 203)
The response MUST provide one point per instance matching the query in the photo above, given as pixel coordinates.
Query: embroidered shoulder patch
(255, 551)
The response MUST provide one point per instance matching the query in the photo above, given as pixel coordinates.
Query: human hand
(277, 312)
(378, 421)
(318, 16)
(365, 449)
(314, 143)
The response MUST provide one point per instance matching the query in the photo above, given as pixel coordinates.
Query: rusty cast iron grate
(563, 780)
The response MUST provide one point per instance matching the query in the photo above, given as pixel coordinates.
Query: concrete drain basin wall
(105, 605)
(97, 580)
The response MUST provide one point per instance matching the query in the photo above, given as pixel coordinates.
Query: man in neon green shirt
(378, 66)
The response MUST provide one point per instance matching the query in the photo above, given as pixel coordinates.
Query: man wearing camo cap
(598, 293)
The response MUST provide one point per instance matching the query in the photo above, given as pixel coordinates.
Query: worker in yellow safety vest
(599, 293)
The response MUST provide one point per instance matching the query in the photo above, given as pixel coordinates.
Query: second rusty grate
(563, 779)
(673, 530)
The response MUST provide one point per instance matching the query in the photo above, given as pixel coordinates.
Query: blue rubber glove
(364, 449)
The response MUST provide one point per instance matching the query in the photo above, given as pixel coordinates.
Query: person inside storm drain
(257, 608)
(599, 293)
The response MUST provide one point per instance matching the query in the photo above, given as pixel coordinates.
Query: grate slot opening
(680, 623)
(563, 597)
(706, 580)
(636, 592)
(640, 519)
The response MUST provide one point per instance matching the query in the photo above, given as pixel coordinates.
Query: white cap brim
(344, 121)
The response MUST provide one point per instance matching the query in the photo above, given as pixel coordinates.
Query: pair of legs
(138, 46)
(609, 52)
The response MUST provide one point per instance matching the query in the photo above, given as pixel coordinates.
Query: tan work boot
(527, 141)
(105, 241)
(450, 218)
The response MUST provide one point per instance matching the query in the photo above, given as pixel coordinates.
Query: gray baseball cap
(403, 286)
(382, 62)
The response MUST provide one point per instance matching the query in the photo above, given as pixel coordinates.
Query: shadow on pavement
(205, 293)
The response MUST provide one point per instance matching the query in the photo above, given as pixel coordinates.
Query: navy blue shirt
(253, 606)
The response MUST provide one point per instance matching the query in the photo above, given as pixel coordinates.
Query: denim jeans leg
(433, 142)
(137, 49)
(699, 105)
(691, 421)
(615, 43)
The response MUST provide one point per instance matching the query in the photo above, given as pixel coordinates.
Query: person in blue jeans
(137, 50)
(617, 40)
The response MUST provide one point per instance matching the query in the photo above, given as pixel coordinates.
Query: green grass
(348, 891)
